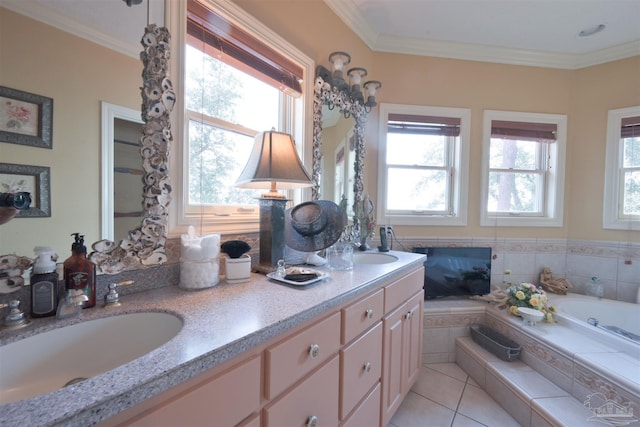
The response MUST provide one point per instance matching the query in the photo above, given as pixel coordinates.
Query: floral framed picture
(25, 118)
(35, 180)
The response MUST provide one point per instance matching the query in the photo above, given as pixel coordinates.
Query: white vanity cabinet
(349, 367)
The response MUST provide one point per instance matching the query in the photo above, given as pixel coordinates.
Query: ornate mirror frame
(324, 94)
(145, 245)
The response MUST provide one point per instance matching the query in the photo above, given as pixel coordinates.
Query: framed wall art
(35, 180)
(25, 118)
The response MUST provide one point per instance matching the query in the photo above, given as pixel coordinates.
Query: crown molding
(34, 10)
(347, 11)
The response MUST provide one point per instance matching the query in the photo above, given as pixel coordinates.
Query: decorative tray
(320, 276)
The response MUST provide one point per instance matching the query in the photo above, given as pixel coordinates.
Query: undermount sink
(48, 361)
(373, 258)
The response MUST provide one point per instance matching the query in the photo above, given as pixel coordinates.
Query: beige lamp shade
(274, 163)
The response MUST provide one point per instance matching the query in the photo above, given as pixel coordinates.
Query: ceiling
(110, 23)
(526, 32)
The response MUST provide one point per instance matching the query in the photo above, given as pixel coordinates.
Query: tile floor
(445, 396)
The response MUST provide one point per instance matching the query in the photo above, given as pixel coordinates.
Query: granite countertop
(219, 323)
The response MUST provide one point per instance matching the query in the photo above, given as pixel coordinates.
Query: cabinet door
(392, 362)
(413, 336)
(312, 403)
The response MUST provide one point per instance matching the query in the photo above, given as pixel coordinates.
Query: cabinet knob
(409, 315)
(312, 421)
(367, 367)
(314, 350)
(368, 313)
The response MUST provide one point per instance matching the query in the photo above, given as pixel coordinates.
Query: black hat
(312, 226)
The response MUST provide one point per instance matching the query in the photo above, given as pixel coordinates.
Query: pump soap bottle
(44, 283)
(79, 272)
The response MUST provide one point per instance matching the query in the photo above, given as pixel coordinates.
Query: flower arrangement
(528, 295)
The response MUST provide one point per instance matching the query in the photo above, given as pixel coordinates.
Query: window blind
(541, 132)
(423, 125)
(240, 49)
(630, 127)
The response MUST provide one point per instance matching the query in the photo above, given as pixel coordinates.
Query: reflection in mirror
(121, 171)
(351, 161)
(338, 155)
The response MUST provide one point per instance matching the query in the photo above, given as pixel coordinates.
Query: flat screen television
(456, 271)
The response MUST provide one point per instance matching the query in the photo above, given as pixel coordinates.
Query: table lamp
(273, 164)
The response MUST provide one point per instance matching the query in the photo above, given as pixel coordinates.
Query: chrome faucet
(16, 318)
(112, 299)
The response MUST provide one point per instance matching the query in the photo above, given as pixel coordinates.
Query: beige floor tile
(462, 421)
(416, 411)
(479, 406)
(450, 369)
(439, 387)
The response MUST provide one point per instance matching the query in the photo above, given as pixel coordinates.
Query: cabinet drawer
(315, 399)
(362, 315)
(360, 368)
(368, 413)
(295, 357)
(225, 400)
(402, 289)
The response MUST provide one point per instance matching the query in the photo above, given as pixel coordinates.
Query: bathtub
(574, 311)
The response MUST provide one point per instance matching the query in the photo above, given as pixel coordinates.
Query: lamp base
(264, 268)
(271, 233)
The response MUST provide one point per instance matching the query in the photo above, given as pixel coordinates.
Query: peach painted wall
(583, 95)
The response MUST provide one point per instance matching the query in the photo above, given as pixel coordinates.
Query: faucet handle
(112, 299)
(16, 317)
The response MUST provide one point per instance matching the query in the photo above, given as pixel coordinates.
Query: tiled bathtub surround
(616, 264)
(573, 365)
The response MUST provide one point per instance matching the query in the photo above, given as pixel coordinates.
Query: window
(239, 79)
(622, 175)
(423, 165)
(523, 169)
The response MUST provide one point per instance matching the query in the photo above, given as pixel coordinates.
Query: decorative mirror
(337, 102)
(145, 245)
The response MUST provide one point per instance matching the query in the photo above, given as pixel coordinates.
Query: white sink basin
(373, 258)
(48, 361)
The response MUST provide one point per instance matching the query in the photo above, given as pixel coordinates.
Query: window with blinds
(421, 169)
(622, 173)
(522, 165)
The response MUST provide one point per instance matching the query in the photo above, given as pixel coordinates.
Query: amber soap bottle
(79, 272)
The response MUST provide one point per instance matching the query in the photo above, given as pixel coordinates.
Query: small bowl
(530, 315)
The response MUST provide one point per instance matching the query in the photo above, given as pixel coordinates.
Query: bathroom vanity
(341, 352)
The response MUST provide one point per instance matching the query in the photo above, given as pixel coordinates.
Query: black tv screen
(456, 271)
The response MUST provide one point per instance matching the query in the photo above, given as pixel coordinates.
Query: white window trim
(612, 181)
(179, 218)
(554, 201)
(461, 165)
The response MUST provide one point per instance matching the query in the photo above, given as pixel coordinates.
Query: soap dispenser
(79, 272)
(44, 283)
